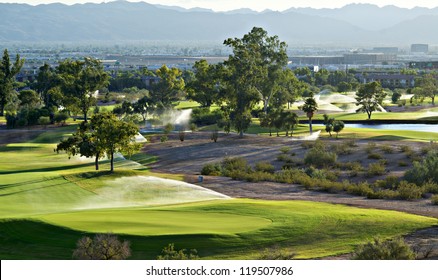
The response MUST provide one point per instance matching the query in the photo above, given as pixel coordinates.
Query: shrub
(181, 135)
(362, 189)
(284, 158)
(409, 191)
(170, 253)
(277, 253)
(284, 150)
(376, 169)
(387, 149)
(234, 164)
(101, 247)
(164, 138)
(425, 171)
(212, 169)
(214, 136)
(61, 118)
(370, 147)
(44, 120)
(168, 128)
(318, 157)
(374, 156)
(405, 149)
(264, 166)
(402, 163)
(390, 182)
(203, 116)
(430, 187)
(341, 149)
(394, 249)
(434, 199)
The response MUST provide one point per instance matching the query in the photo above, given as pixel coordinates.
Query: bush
(370, 147)
(264, 166)
(203, 116)
(394, 249)
(387, 149)
(284, 150)
(430, 187)
(376, 169)
(232, 164)
(212, 169)
(277, 253)
(61, 118)
(318, 157)
(44, 121)
(434, 199)
(341, 149)
(425, 171)
(409, 191)
(374, 156)
(181, 135)
(390, 182)
(170, 253)
(101, 247)
(164, 138)
(214, 136)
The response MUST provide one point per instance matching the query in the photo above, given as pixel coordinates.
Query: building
(388, 80)
(419, 48)
(317, 60)
(386, 50)
(369, 58)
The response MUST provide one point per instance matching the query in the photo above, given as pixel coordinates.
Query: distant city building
(369, 58)
(386, 50)
(316, 60)
(388, 80)
(419, 48)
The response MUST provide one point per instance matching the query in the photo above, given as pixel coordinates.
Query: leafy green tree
(252, 73)
(204, 88)
(114, 136)
(267, 120)
(427, 87)
(369, 97)
(8, 71)
(47, 86)
(83, 142)
(338, 126)
(144, 106)
(79, 81)
(28, 99)
(290, 121)
(170, 87)
(328, 122)
(397, 93)
(310, 107)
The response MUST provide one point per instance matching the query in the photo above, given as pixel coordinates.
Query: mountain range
(126, 21)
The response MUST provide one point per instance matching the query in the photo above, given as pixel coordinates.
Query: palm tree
(310, 107)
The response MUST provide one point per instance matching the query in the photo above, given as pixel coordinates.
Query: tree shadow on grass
(388, 138)
(47, 169)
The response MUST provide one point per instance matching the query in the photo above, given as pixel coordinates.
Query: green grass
(48, 202)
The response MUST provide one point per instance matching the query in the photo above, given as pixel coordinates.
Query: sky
(258, 5)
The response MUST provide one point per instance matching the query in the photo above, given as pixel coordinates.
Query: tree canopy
(370, 97)
(8, 71)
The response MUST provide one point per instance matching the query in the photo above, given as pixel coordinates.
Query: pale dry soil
(188, 157)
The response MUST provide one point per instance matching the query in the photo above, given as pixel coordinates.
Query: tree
(310, 107)
(113, 135)
(28, 99)
(101, 247)
(144, 106)
(267, 120)
(370, 97)
(338, 126)
(397, 93)
(79, 82)
(46, 85)
(8, 72)
(83, 142)
(328, 122)
(251, 73)
(427, 87)
(290, 121)
(170, 87)
(204, 87)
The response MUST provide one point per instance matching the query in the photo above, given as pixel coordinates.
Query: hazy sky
(259, 5)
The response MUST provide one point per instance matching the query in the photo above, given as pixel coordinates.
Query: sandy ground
(190, 156)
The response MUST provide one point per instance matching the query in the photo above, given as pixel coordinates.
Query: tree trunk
(369, 115)
(2, 110)
(310, 126)
(433, 100)
(96, 161)
(112, 161)
(241, 134)
(85, 116)
(270, 132)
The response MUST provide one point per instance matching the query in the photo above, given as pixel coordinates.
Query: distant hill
(123, 21)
